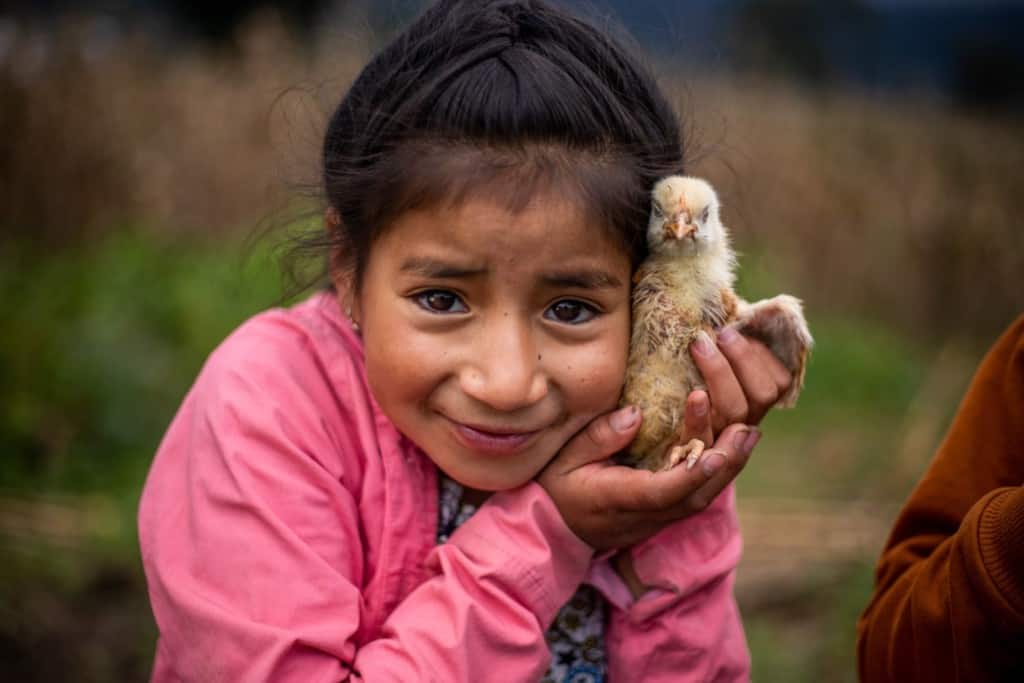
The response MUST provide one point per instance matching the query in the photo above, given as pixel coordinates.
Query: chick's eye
(571, 312)
(440, 301)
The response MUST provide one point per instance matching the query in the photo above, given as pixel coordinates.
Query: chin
(492, 482)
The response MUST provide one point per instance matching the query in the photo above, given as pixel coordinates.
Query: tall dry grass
(179, 138)
(899, 208)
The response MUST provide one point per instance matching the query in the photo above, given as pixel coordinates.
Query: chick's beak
(688, 230)
(680, 226)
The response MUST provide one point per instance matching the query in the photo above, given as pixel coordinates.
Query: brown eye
(571, 312)
(440, 301)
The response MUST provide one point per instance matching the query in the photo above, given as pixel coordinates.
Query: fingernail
(702, 345)
(728, 335)
(712, 462)
(752, 439)
(700, 408)
(624, 418)
(739, 441)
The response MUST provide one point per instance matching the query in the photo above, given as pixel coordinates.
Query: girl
(408, 478)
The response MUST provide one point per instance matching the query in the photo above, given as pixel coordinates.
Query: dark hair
(475, 94)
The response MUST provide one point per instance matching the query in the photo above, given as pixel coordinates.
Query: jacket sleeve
(948, 602)
(251, 543)
(687, 628)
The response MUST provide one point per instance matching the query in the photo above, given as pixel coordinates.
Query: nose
(505, 370)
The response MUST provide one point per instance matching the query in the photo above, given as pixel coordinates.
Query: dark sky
(970, 48)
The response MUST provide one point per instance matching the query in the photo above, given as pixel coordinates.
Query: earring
(351, 320)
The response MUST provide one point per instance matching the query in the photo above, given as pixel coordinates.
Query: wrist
(1001, 537)
(623, 564)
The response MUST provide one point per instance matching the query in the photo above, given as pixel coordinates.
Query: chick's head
(684, 216)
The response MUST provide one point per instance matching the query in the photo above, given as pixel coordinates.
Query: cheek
(600, 385)
(400, 374)
(594, 378)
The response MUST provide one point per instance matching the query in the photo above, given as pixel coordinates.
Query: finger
(651, 493)
(728, 402)
(780, 373)
(720, 464)
(753, 369)
(603, 437)
(697, 418)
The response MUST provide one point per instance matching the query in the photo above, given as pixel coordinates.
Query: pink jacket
(288, 533)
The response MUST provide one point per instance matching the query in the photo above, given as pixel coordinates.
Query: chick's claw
(690, 453)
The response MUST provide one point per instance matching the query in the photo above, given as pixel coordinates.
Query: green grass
(101, 346)
(812, 636)
(845, 441)
(860, 381)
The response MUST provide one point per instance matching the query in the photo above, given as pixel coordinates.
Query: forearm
(947, 603)
(950, 609)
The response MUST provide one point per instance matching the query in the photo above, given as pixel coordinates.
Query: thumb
(603, 437)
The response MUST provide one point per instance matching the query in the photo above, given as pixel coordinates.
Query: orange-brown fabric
(948, 603)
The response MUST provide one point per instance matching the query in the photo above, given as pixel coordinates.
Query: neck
(475, 497)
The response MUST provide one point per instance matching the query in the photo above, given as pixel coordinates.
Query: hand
(743, 377)
(611, 506)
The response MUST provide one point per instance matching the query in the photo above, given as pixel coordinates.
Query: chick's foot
(690, 453)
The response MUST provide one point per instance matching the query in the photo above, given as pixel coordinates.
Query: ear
(336, 270)
(340, 272)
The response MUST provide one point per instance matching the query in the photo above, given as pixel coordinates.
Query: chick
(683, 287)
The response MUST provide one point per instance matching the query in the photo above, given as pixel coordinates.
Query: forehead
(428, 175)
(547, 227)
(683, 193)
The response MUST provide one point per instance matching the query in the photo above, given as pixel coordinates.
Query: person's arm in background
(948, 602)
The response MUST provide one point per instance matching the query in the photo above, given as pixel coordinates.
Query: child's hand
(743, 378)
(611, 506)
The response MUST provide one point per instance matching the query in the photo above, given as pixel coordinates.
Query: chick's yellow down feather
(684, 287)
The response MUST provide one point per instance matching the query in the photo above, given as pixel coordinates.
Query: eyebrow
(582, 279)
(432, 268)
(570, 279)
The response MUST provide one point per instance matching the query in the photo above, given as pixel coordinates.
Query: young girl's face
(492, 337)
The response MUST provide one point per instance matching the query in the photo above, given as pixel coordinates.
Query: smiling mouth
(493, 440)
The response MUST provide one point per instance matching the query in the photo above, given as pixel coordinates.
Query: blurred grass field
(125, 257)
(104, 342)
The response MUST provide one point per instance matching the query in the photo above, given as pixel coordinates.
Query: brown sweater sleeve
(948, 603)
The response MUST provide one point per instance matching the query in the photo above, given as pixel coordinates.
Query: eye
(704, 215)
(570, 312)
(440, 301)
(658, 212)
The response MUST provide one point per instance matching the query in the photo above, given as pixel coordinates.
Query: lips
(498, 441)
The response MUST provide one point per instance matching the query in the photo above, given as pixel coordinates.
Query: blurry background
(154, 158)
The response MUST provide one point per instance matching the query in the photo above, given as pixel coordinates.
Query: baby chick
(683, 287)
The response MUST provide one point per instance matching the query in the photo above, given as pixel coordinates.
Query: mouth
(493, 440)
